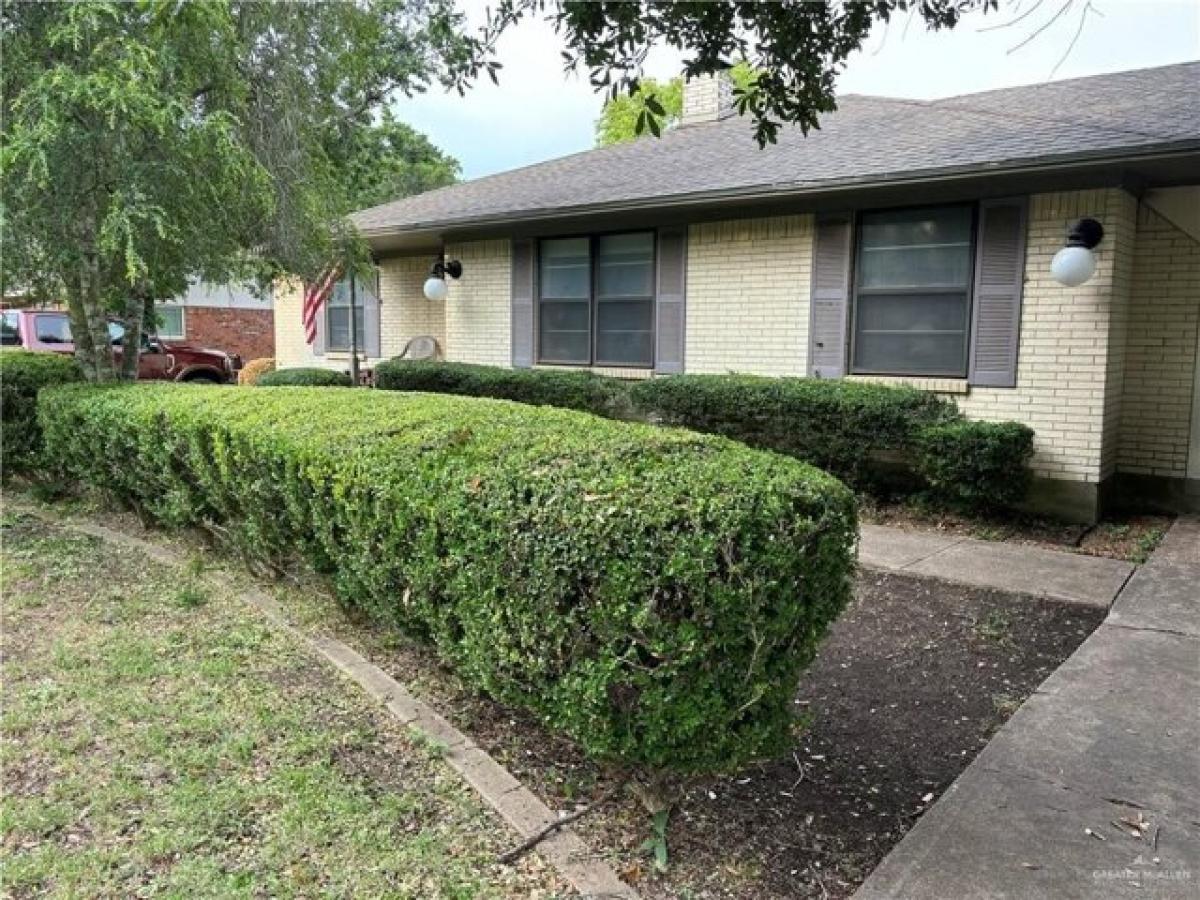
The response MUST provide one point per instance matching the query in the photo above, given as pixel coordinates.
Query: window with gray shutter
(337, 317)
(595, 300)
(999, 277)
(371, 343)
(912, 290)
(671, 303)
(523, 267)
(320, 344)
(829, 301)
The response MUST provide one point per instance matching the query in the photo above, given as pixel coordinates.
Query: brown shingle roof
(868, 139)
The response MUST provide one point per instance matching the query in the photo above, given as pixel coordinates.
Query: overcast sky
(539, 112)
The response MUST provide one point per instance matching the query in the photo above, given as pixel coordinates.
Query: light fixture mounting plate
(1085, 233)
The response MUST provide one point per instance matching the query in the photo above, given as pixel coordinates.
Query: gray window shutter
(371, 342)
(999, 275)
(671, 300)
(830, 299)
(318, 347)
(523, 269)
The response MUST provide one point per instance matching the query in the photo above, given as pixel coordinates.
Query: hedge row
(845, 427)
(22, 375)
(304, 377)
(839, 426)
(584, 391)
(975, 464)
(651, 592)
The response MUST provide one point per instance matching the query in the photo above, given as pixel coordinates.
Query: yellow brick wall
(404, 312)
(748, 285)
(479, 307)
(1071, 351)
(1160, 350)
(290, 349)
(1103, 383)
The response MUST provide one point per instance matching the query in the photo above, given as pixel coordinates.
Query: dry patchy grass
(159, 739)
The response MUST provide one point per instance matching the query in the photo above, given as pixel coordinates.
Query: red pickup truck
(50, 330)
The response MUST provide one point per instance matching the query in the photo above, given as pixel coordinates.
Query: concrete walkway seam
(516, 804)
(1012, 568)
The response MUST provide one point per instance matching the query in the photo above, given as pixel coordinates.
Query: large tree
(146, 142)
(389, 160)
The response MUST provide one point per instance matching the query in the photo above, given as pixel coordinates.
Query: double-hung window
(337, 321)
(596, 300)
(912, 292)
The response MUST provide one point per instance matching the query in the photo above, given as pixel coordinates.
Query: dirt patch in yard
(1127, 537)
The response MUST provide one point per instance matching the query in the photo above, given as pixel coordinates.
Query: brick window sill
(933, 385)
(609, 371)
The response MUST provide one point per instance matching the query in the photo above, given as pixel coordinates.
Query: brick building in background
(229, 317)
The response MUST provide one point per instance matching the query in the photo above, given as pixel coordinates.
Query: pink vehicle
(50, 330)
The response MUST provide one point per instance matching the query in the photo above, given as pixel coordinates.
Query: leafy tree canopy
(389, 160)
(797, 47)
(149, 141)
(624, 117)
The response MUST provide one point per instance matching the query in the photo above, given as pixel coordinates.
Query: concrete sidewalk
(1053, 806)
(1060, 575)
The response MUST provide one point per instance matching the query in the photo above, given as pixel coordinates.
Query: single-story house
(904, 241)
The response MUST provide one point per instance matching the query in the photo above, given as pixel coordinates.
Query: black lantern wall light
(436, 288)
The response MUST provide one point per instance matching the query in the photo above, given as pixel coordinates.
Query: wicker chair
(421, 347)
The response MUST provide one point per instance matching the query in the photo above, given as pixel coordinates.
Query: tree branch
(1037, 33)
(511, 856)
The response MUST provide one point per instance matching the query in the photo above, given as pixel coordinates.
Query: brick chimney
(707, 98)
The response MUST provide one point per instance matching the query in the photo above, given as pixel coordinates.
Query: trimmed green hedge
(583, 391)
(22, 375)
(837, 425)
(975, 464)
(864, 433)
(651, 592)
(314, 377)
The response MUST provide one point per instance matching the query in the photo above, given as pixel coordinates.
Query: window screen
(596, 300)
(912, 292)
(564, 310)
(625, 299)
(337, 317)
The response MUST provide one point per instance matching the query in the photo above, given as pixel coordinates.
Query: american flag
(315, 295)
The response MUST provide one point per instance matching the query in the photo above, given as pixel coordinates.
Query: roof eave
(1031, 166)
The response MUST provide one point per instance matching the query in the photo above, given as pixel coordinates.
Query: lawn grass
(160, 739)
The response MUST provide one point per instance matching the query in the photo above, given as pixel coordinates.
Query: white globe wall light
(1075, 263)
(435, 288)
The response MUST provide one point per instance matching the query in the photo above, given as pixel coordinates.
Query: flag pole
(353, 331)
